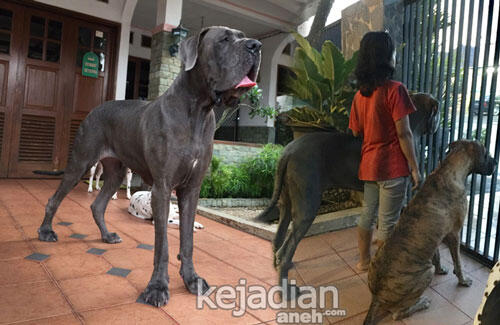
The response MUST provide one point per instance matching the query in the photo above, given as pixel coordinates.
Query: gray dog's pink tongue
(246, 83)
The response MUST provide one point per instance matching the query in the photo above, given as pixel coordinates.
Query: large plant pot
(299, 131)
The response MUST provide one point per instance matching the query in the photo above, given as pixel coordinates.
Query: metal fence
(451, 49)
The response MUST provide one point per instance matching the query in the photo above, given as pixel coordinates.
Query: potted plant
(320, 81)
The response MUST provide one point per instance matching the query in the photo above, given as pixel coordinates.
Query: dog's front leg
(188, 199)
(452, 240)
(157, 293)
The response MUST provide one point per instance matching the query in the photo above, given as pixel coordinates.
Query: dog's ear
(188, 51)
(456, 145)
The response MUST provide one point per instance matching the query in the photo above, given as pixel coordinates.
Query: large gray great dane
(168, 142)
(317, 162)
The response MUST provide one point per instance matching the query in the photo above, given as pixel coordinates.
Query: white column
(272, 49)
(168, 15)
(121, 75)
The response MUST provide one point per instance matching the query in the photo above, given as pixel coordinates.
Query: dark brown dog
(317, 162)
(402, 268)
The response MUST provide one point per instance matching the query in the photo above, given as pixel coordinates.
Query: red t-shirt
(375, 117)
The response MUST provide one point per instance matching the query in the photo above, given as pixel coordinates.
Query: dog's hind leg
(284, 221)
(304, 209)
(422, 303)
(188, 197)
(72, 175)
(452, 240)
(115, 171)
(436, 260)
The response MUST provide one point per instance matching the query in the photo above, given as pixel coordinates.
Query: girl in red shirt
(379, 114)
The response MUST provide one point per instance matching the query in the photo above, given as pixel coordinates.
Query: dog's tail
(49, 172)
(271, 213)
(374, 310)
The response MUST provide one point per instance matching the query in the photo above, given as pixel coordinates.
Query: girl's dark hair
(374, 67)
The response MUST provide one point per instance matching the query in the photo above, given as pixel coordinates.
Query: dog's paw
(155, 294)
(196, 285)
(47, 235)
(290, 292)
(111, 238)
(198, 225)
(465, 282)
(90, 190)
(440, 270)
(115, 196)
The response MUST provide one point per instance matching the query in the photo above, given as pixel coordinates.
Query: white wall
(108, 11)
(135, 48)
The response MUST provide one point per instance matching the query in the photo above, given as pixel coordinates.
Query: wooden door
(38, 114)
(11, 17)
(43, 95)
(89, 92)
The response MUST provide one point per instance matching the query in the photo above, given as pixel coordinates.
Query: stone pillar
(164, 67)
(373, 15)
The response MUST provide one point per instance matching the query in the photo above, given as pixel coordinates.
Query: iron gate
(451, 49)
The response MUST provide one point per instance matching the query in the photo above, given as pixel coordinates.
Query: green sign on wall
(90, 65)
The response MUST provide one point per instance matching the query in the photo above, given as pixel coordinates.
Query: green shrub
(253, 178)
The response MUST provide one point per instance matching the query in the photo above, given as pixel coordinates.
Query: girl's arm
(405, 137)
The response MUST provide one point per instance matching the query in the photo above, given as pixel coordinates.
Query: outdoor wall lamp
(179, 33)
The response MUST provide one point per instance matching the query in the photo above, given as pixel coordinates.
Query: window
(45, 39)
(92, 40)
(105, 1)
(145, 41)
(5, 30)
(131, 38)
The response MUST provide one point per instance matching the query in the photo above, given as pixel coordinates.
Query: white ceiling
(263, 18)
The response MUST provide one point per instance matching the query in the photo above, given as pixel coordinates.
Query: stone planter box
(234, 202)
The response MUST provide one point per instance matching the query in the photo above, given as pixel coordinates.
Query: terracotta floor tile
(20, 271)
(440, 312)
(466, 299)
(183, 309)
(129, 314)
(95, 240)
(29, 301)
(468, 263)
(28, 219)
(14, 249)
(351, 257)
(76, 266)
(354, 297)
(98, 291)
(257, 266)
(5, 218)
(323, 270)
(86, 228)
(312, 247)
(10, 233)
(69, 319)
(341, 240)
(63, 232)
(481, 274)
(59, 247)
(129, 258)
(358, 319)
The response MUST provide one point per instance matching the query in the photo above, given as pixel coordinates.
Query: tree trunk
(318, 26)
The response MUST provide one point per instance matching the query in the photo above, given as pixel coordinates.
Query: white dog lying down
(99, 168)
(140, 207)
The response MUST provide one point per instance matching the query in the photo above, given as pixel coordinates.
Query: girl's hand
(415, 176)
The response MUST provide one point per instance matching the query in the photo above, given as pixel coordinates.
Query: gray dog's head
(425, 120)
(483, 163)
(226, 59)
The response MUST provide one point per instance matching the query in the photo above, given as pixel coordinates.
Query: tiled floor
(82, 280)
